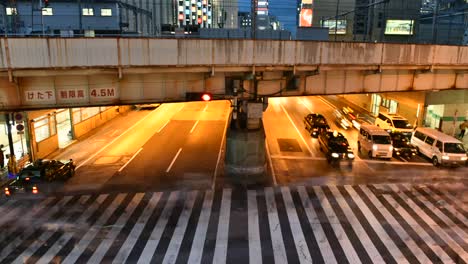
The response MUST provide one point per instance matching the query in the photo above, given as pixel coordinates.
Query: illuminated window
(106, 12)
(88, 12)
(47, 11)
(11, 11)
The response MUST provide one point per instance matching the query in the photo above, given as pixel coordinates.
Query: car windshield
(454, 148)
(29, 173)
(402, 124)
(381, 139)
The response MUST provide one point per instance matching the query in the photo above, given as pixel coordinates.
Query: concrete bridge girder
(44, 91)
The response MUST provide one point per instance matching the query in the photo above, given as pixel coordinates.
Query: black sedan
(336, 147)
(314, 123)
(30, 177)
(402, 146)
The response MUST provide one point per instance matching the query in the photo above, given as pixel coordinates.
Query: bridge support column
(245, 161)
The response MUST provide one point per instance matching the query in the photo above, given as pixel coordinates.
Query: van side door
(430, 147)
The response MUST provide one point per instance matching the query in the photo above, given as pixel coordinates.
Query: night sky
(284, 10)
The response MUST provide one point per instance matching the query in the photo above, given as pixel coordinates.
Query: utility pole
(254, 17)
(336, 18)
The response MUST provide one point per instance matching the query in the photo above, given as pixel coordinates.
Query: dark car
(335, 146)
(314, 123)
(28, 180)
(402, 146)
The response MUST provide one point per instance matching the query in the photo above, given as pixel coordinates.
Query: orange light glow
(206, 97)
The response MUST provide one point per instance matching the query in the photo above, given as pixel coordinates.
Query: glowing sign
(399, 27)
(307, 2)
(305, 18)
(331, 24)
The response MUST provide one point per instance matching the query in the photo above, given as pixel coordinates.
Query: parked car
(402, 146)
(336, 147)
(394, 122)
(314, 123)
(341, 119)
(30, 178)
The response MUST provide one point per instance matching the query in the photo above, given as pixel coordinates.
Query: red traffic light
(206, 97)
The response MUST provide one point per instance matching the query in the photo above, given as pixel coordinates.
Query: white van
(375, 141)
(439, 147)
(394, 122)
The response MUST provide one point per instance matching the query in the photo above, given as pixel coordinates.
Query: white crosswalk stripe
(393, 223)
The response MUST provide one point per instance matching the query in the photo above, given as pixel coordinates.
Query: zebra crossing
(391, 223)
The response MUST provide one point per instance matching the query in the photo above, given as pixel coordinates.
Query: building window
(88, 12)
(47, 11)
(11, 11)
(106, 12)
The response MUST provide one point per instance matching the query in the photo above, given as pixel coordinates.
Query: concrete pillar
(245, 160)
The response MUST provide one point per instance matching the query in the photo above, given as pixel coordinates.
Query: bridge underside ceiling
(35, 89)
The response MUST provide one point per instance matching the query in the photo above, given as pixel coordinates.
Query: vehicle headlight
(464, 158)
(335, 155)
(374, 147)
(351, 155)
(390, 148)
(445, 157)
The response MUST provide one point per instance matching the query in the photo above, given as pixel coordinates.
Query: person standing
(2, 157)
(463, 127)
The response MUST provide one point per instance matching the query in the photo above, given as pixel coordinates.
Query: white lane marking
(279, 251)
(434, 245)
(194, 126)
(105, 244)
(297, 129)
(381, 233)
(296, 157)
(93, 231)
(112, 142)
(255, 248)
(314, 222)
(165, 124)
(332, 106)
(334, 221)
(176, 241)
(401, 232)
(364, 161)
(206, 106)
(273, 175)
(445, 203)
(296, 229)
(13, 213)
(55, 249)
(130, 160)
(158, 230)
(219, 153)
(356, 225)
(222, 235)
(448, 201)
(173, 160)
(198, 243)
(132, 238)
(28, 231)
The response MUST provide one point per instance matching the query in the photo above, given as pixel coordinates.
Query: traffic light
(198, 96)
(46, 3)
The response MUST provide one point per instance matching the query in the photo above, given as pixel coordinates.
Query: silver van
(439, 147)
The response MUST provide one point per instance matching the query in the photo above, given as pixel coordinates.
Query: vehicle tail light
(34, 190)
(27, 178)
(7, 192)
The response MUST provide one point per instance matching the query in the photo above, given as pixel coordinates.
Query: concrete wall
(45, 147)
(89, 124)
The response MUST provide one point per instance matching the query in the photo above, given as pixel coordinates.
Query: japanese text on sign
(71, 94)
(102, 92)
(39, 95)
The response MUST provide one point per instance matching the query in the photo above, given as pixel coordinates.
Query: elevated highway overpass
(40, 73)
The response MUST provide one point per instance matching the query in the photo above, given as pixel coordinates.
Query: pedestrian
(2, 158)
(463, 127)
